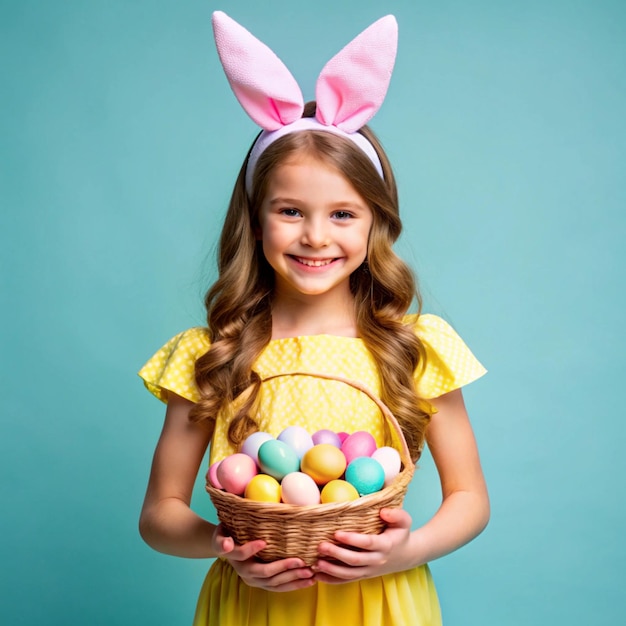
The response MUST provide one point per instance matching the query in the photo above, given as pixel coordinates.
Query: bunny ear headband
(349, 91)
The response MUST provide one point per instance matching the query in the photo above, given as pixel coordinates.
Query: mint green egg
(278, 459)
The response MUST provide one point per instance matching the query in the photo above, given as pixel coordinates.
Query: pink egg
(327, 436)
(252, 444)
(235, 472)
(298, 488)
(342, 436)
(389, 458)
(360, 443)
(297, 438)
(211, 476)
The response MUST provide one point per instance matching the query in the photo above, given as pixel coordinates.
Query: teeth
(314, 262)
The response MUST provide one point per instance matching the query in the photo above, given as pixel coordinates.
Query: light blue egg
(366, 475)
(252, 444)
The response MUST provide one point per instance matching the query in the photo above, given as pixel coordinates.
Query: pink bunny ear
(262, 83)
(353, 84)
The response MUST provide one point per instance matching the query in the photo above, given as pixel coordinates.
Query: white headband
(267, 138)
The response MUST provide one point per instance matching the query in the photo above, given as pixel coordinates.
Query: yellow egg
(263, 488)
(323, 463)
(339, 491)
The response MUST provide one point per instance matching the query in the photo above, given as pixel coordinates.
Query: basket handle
(405, 455)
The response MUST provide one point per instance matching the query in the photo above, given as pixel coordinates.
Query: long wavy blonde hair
(239, 303)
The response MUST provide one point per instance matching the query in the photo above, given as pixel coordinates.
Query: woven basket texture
(297, 531)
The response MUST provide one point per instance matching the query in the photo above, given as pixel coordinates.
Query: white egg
(389, 458)
(299, 488)
(296, 438)
(252, 444)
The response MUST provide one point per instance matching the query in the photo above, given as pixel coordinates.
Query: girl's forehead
(309, 174)
(307, 157)
(304, 160)
(299, 166)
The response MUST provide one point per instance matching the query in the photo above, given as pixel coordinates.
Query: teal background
(119, 144)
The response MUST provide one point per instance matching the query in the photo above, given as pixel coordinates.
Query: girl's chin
(306, 289)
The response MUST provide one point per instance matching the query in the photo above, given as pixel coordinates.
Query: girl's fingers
(284, 575)
(333, 572)
(362, 555)
(291, 579)
(225, 546)
(329, 579)
(355, 540)
(348, 555)
(396, 517)
(268, 570)
(245, 551)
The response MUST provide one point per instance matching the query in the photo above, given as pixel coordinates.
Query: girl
(308, 282)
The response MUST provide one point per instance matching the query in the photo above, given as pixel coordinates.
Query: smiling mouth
(313, 262)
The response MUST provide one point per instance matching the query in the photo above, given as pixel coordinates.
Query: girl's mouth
(313, 262)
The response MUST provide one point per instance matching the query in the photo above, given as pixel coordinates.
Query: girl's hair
(239, 302)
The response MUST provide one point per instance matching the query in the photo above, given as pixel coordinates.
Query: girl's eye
(290, 212)
(342, 215)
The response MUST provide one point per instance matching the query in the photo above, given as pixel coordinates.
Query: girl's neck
(313, 316)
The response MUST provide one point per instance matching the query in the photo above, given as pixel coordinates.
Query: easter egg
(296, 438)
(343, 435)
(253, 442)
(277, 459)
(339, 491)
(211, 476)
(263, 488)
(389, 458)
(365, 474)
(235, 472)
(299, 488)
(323, 462)
(327, 436)
(359, 443)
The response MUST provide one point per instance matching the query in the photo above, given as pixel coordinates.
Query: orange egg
(323, 463)
(263, 488)
(339, 491)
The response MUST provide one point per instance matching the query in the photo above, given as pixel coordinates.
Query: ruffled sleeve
(449, 363)
(172, 367)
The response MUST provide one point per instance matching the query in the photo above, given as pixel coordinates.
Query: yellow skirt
(393, 600)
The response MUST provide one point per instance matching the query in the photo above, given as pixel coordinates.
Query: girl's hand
(366, 556)
(284, 575)
(463, 513)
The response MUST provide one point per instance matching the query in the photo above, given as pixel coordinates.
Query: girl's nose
(315, 233)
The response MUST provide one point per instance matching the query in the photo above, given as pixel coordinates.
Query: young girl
(308, 282)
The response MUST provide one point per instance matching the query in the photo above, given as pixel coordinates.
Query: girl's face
(314, 227)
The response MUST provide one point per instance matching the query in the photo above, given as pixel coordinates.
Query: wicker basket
(297, 531)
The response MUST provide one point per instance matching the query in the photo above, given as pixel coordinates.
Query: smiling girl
(309, 282)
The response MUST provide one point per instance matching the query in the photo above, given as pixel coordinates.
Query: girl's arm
(463, 514)
(168, 524)
(464, 511)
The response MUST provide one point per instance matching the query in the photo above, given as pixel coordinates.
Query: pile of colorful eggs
(303, 469)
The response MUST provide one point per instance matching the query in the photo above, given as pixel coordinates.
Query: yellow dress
(398, 599)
